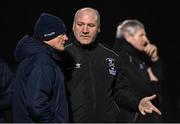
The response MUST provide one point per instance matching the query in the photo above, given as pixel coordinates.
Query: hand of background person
(152, 76)
(145, 106)
(151, 51)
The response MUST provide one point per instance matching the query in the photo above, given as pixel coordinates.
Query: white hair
(130, 26)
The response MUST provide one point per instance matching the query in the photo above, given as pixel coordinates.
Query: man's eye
(91, 25)
(79, 24)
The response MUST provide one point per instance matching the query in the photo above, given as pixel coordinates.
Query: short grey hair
(130, 26)
(88, 8)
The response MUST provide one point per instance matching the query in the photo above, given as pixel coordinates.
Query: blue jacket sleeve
(39, 91)
(6, 82)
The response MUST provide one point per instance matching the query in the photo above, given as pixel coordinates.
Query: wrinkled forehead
(87, 14)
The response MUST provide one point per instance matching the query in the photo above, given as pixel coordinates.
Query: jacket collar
(85, 47)
(50, 51)
(132, 51)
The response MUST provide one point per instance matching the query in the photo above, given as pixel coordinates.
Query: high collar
(132, 51)
(53, 52)
(82, 46)
(28, 46)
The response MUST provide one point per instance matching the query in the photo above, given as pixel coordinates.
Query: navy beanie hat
(48, 27)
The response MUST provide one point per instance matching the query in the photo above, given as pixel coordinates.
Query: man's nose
(65, 37)
(146, 41)
(85, 29)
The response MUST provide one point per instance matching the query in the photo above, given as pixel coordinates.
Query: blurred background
(161, 21)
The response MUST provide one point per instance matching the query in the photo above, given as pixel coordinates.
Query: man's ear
(128, 37)
(73, 26)
(99, 29)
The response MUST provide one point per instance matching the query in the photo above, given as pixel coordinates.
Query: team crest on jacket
(111, 65)
(78, 65)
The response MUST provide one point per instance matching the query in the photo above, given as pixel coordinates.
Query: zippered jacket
(96, 84)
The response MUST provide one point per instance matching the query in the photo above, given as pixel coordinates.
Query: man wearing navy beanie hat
(39, 92)
(48, 27)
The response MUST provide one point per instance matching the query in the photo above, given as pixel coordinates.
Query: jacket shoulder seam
(68, 45)
(108, 49)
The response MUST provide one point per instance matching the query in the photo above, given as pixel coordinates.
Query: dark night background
(160, 19)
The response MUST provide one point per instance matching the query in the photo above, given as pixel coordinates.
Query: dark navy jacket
(39, 94)
(6, 79)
